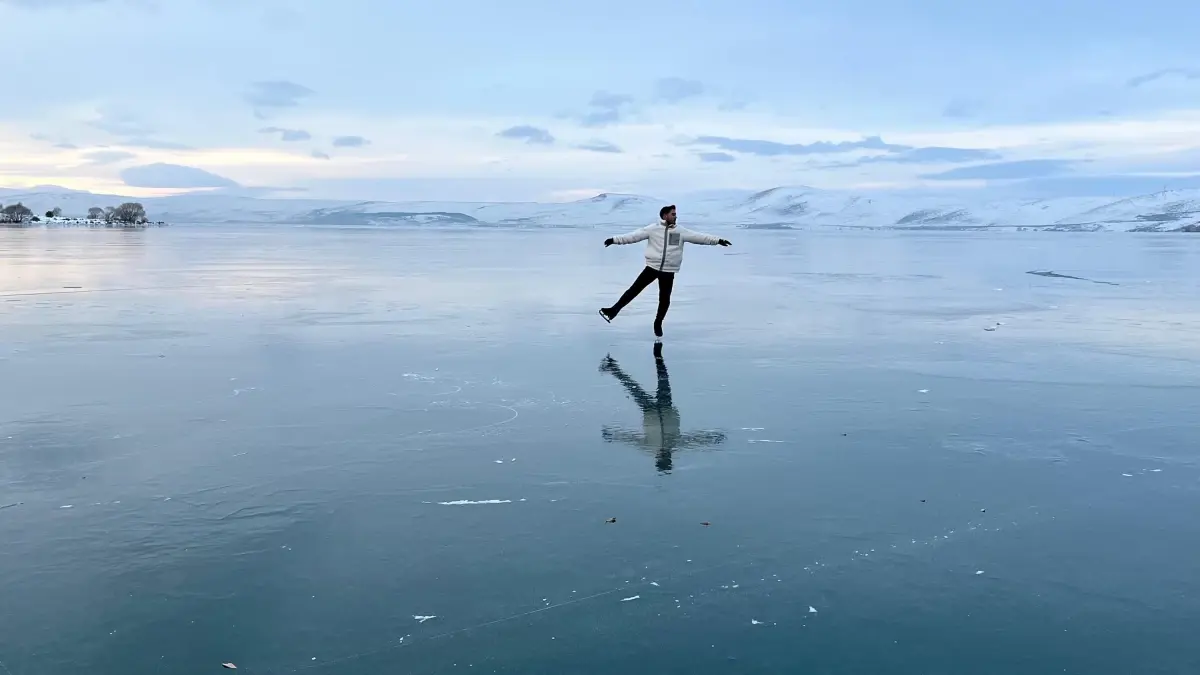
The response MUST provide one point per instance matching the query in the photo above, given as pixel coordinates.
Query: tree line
(129, 213)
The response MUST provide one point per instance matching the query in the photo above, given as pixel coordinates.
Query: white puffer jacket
(664, 244)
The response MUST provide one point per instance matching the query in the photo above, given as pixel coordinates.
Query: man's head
(667, 214)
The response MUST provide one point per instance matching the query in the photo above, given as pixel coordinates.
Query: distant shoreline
(82, 223)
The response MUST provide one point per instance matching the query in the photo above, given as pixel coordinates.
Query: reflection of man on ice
(660, 418)
(664, 254)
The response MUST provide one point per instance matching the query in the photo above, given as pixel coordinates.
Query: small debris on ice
(706, 523)
(468, 502)
(1127, 475)
(499, 461)
(631, 598)
(989, 328)
(979, 572)
(1155, 470)
(610, 520)
(654, 583)
(229, 666)
(422, 619)
(812, 610)
(67, 506)
(922, 391)
(755, 622)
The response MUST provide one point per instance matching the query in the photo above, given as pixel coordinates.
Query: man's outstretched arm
(703, 239)
(632, 238)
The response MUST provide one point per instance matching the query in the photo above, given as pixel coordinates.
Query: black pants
(666, 282)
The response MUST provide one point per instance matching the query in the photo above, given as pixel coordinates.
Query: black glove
(724, 242)
(608, 242)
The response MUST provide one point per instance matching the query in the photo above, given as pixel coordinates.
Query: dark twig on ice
(1056, 275)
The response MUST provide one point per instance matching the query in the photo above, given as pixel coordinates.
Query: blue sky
(539, 100)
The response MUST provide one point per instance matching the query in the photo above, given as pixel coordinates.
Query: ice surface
(384, 373)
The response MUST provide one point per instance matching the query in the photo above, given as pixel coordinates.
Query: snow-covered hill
(776, 208)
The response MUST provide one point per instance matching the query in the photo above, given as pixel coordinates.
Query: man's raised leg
(648, 275)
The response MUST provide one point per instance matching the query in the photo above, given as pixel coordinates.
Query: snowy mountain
(777, 208)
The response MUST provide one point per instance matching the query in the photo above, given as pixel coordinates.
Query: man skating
(664, 254)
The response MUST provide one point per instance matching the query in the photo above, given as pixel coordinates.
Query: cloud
(104, 157)
(153, 144)
(132, 130)
(676, 89)
(276, 94)
(173, 176)
(716, 157)
(1147, 78)
(773, 149)
(932, 155)
(287, 135)
(601, 118)
(600, 146)
(604, 99)
(531, 135)
(317, 154)
(350, 142)
(120, 123)
(607, 108)
(282, 18)
(893, 153)
(46, 138)
(1026, 168)
(960, 110)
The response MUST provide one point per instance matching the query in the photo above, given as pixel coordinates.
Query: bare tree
(130, 213)
(56, 212)
(108, 213)
(16, 213)
(96, 213)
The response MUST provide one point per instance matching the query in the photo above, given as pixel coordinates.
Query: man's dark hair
(662, 213)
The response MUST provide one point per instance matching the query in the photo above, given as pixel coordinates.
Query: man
(664, 254)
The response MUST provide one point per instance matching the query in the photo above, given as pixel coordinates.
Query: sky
(532, 100)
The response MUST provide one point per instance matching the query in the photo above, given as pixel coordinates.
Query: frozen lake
(859, 453)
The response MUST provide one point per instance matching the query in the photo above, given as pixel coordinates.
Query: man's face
(670, 217)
